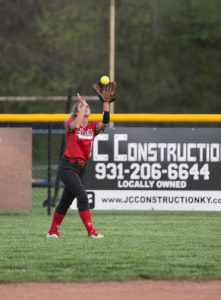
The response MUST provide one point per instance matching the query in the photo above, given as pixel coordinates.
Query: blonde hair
(73, 113)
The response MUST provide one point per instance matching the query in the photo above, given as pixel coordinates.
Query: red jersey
(79, 142)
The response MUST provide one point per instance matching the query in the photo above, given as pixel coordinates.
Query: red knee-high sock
(87, 220)
(56, 222)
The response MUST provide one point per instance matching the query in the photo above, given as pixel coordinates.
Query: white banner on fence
(155, 169)
(154, 200)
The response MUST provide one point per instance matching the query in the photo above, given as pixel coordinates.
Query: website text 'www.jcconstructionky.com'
(163, 200)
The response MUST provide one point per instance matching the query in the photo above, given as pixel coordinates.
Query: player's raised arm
(81, 112)
(106, 118)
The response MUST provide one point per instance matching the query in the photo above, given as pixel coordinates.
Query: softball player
(80, 135)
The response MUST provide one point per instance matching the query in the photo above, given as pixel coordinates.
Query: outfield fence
(118, 118)
(48, 140)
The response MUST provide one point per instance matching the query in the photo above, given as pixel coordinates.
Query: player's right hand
(81, 100)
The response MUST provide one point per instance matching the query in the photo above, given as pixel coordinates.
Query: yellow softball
(104, 80)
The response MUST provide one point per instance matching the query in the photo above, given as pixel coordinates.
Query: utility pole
(112, 49)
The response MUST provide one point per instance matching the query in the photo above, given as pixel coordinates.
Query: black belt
(76, 162)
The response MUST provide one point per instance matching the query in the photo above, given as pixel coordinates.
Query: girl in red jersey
(80, 135)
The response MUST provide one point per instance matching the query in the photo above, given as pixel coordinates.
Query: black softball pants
(72, 176)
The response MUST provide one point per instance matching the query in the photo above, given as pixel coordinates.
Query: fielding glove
(106, 93)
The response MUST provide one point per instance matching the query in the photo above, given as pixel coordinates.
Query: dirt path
(136, 290)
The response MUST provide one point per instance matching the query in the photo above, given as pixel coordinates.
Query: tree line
(167, 53)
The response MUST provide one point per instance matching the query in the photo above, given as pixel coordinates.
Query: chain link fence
(47, 148)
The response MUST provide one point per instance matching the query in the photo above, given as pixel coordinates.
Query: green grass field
(149, 245)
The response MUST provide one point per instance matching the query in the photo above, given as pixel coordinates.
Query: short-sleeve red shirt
(79, 143)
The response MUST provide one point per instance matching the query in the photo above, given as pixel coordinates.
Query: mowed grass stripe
(151, 245)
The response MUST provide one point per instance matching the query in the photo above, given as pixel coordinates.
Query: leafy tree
(167, 52)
